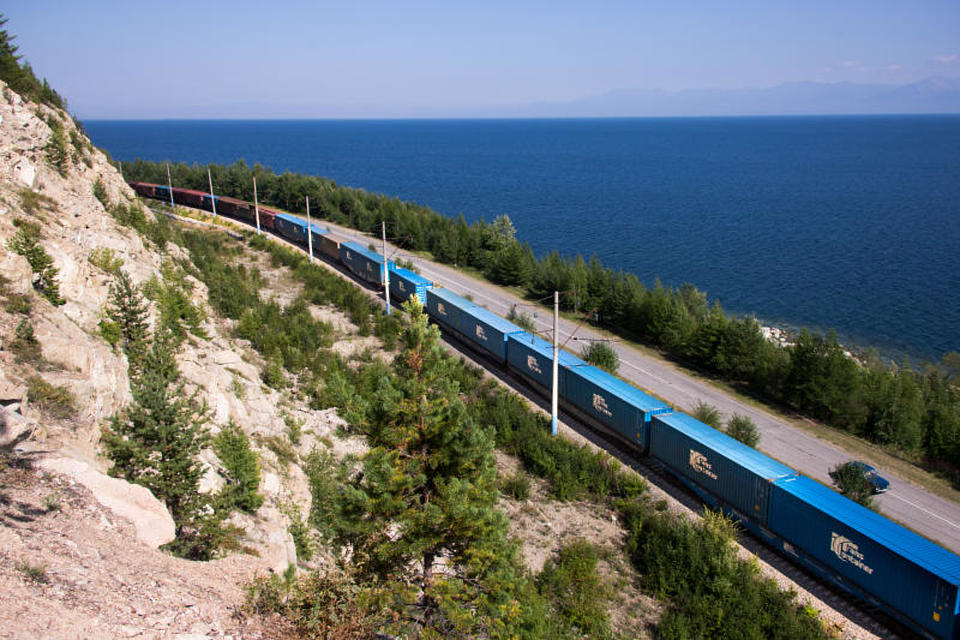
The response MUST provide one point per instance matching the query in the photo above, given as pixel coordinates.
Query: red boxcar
(188, 197)
(144, 189)
(266, 218)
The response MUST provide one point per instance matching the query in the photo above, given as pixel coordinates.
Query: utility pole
(256, 207)
(556, 358)
(213, 201)
(309, 231)
(170, 186)
(386, 271)
(120, 165)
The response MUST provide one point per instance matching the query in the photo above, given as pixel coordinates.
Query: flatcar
(909, 577)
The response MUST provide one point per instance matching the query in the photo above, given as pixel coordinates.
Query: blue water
(844, 222)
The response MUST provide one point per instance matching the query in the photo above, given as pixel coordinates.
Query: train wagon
(267, 217)
(291, 227)
(724, 471)
(330, 247)
(144, 189)
(864, 552)
(532, 357)
(612, 403)
(405, 284)
(483, 330)
(446, 308)
(188, 197)
(162, 193)
(317, 234)
(366, 264)
(209, 200)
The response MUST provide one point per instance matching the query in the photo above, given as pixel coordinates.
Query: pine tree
(423, 508)
(155, 441)
(129, 311)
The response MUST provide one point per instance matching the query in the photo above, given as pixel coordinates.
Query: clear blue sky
(363, 58)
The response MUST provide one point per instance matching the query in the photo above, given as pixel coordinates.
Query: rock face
(130, 501)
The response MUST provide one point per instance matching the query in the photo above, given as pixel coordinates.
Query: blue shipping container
(362, 261)
(739, 476)
(487, 330)
(908, 572)
(316, 236)
(446, 307)
(532, 357)
(405, 283)
(291, 227)
(612, 402)
(162, 192)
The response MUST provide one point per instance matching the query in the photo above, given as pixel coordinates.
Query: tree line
(913, 411)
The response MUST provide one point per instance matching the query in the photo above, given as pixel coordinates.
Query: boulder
(149, 516)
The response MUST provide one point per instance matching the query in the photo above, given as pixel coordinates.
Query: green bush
(517, 486)
(577, 591)
(852, 481)
(241, 469)
(54, 400)
(707, 414)
(26, 242)
(25, 346)
(100, 193)
(106, 260)
(55, 150)
(743, 429)
(601, 354)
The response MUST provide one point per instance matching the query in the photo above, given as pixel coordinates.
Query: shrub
(521, 319)
(55, 150)
(851, 480)
(100, 193)
(33, 202)
(25, 346)
(241, 469)
(26, 242)
(33, 572)
(743, 429)
(601, 354)
(105, 260)
(572, 584)
(707, 414)
(517, 486)
(54, 400)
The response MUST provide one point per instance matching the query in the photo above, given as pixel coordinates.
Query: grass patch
(36, 573)
(54, 400)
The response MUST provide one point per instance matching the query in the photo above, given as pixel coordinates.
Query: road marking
(927, 511)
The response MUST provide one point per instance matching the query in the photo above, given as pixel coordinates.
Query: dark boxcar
(144, 189)
(208, 201)
(267, 217)
(362, 261)
(835, 535)
(532, 357)
(613, 403)
(228, 206)
(487, 331)
(405, 283)
(330, 247)
(446, 307)
(291, 227)
(735, 476)
(162, 192)
(317, 234)
(188, 197)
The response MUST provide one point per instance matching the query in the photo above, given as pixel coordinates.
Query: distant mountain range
(931, 95)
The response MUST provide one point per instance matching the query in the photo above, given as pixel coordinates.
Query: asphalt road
(932, 516)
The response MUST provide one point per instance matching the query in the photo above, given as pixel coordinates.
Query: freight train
(904, 575)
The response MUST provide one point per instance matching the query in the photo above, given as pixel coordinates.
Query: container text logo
(533, 365)
(441, 309)
(401, 286)
(700, 464)
(481, 334)
(600, 404)
(848, 551)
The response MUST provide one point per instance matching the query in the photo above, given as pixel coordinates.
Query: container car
(913, 578)
(405, 284)
(724, 471)
(162, 193)
(291, 227)
(446, 308)
(330, 247)
(612, 403)
(532, 357)
(483, 330)
(208, 201)
(366, 264)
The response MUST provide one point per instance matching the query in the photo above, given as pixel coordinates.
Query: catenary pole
(556, 357)
(213, 200)
(120, 165)
(170, 186)
(386, 271)
(256, 207)
(309, 231)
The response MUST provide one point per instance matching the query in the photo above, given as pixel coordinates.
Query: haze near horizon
(375, 59)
